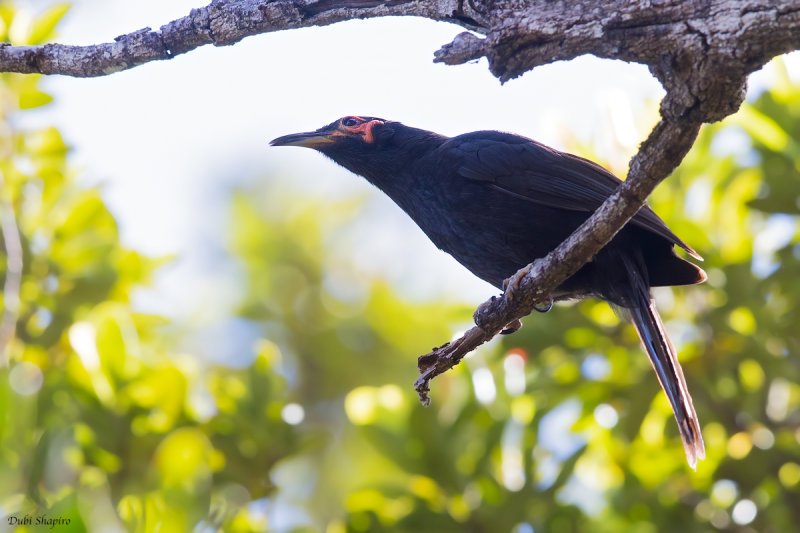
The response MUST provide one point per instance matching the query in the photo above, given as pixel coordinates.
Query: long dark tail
(664, 359)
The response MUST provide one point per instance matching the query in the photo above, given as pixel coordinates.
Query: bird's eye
(350, 121)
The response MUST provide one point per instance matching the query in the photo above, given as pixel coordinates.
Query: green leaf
(7, 13)
(762, 128)
(47, 141)
(35, 98)
(44, 26)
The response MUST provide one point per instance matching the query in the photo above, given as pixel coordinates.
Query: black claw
(512, 327)
(543, 308)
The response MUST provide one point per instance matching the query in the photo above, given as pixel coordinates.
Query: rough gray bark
(221, 23)
(701, 52)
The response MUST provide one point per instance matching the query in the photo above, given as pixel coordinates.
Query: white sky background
(167, 139)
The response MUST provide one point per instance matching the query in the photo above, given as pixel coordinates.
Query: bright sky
(168, 139)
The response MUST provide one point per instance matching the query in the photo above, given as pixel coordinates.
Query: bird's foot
(512, 327)
(484, 307)
(545, 306)
(511, 284)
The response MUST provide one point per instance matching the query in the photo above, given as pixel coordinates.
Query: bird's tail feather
(664, 359)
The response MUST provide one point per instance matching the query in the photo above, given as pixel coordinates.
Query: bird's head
(351, 134)
(377, 149)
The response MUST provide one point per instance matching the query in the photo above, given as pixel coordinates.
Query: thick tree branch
(519, 34)
(221, 23)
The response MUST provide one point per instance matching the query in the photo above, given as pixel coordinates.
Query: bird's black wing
(532, 171)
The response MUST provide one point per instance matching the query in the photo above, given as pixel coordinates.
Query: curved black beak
(311, 139)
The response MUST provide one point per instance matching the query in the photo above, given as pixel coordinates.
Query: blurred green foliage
(560, 427)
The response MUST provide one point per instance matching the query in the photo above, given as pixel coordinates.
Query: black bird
(497, 201)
